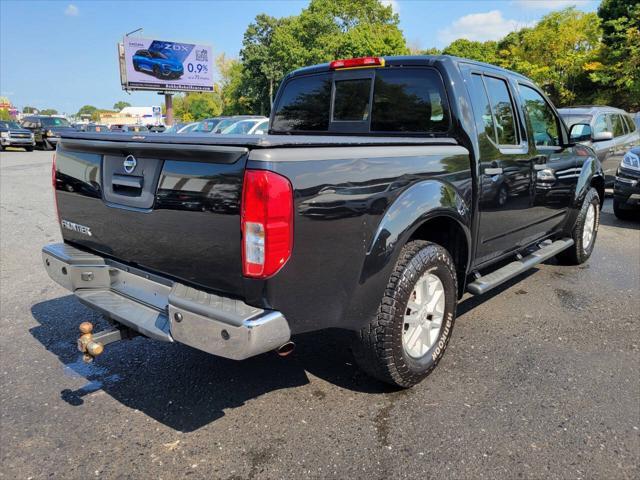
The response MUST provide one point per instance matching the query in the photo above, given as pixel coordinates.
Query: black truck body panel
(357, 200)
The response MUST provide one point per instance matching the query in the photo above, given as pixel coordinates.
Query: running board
(493, 279)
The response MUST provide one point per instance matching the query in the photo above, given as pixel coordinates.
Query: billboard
(147, 64)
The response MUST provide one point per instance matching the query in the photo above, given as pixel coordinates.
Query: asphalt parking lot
(541, 380)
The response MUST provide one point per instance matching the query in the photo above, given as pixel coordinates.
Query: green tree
(29, 110)
(87, 110)
(326, 30)
(617, 70)
(49, 111)
(554, 53)
(118, 106)
(197, 106)
(233, 85)
(259, 73)
(481, 51)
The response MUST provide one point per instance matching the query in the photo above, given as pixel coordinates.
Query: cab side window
(543, 120)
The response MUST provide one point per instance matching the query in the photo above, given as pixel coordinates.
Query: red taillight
(53, 184)
(267, 223)
(357, 62)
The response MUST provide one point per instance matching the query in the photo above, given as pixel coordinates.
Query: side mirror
(259, 132)
(602, 136)
(580, 132)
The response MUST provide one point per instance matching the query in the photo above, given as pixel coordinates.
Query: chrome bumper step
(165, 310)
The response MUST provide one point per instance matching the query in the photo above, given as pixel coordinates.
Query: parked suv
(157, 64)
(612, 133)
(46, 130)
(626, 190)
(12, 135)
(359, 210)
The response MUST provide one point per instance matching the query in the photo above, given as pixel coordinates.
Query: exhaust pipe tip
(286, 349)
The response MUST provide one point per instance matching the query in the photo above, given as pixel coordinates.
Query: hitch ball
(86, 345)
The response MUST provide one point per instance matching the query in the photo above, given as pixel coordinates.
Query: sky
(63, 55)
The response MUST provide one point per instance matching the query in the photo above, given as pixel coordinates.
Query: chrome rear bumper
(165, 310)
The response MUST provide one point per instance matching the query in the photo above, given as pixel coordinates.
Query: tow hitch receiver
(93, 345)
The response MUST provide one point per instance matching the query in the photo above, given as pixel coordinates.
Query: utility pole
(168, 103)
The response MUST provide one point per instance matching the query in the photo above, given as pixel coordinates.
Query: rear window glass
(405, 100)
(409, 100)
(351, 102)
(304, 105)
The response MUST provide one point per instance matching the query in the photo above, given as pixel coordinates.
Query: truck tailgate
(170, 209)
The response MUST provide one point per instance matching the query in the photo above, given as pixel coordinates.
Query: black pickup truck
(385, 189)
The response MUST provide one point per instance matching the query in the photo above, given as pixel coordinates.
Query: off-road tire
(378, 347)
(577, 254)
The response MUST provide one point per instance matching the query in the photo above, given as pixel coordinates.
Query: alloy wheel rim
(589, 227)
(423, 316)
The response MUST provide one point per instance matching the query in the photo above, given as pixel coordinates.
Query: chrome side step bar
(497, 277)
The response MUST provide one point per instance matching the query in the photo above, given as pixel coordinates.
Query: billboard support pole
(168, 103)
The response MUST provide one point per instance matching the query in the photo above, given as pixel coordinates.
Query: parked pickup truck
(385, 189)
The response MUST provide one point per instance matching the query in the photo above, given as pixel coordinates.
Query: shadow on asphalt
(610, 220)
(182, 387)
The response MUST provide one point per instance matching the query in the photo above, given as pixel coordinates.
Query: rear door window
(502, 108)
(482, 107)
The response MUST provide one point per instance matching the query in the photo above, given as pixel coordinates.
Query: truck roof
(405, 60)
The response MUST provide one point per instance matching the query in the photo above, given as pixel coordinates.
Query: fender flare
(590, 170)
(421, 202)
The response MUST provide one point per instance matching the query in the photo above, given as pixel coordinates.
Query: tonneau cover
(252, 141)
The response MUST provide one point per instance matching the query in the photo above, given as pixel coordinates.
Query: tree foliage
(29, 110)
(553, 52)
(118, 106)
(481, 51)
(197, 106)
(326, 30)
(49, 111)
(87, 110)
(617, 70)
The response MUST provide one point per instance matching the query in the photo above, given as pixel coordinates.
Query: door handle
(493, 171)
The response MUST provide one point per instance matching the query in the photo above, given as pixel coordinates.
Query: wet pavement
(541, 380)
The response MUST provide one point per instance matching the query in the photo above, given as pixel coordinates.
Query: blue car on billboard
(157, 64)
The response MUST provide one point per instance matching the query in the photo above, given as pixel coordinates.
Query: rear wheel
(584, 232)
(28, 149)
(409, 334)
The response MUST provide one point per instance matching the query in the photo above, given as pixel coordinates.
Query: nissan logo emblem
(129, 164)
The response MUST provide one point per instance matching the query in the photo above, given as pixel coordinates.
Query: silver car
(611, 132)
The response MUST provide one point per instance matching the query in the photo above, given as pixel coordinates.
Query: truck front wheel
(409, 334)
(584, 232)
